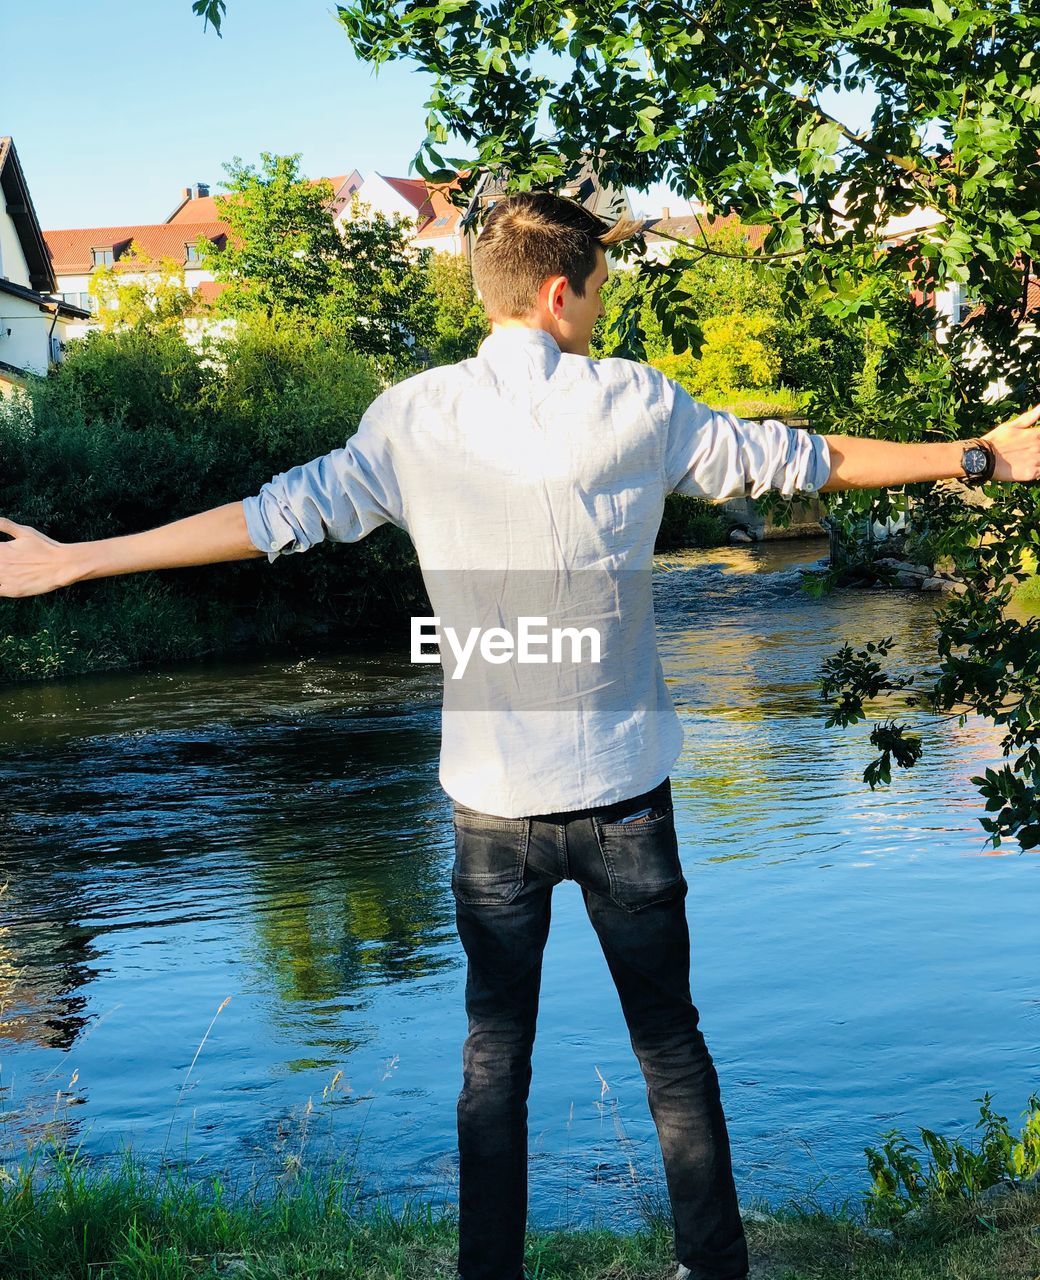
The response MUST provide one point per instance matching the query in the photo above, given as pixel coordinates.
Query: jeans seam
(561, 846)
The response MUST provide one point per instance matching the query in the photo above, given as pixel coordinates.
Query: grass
(64, 1219)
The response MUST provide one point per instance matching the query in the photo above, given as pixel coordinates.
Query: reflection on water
(274, 833)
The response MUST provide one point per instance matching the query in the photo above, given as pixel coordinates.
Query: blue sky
(115, 106)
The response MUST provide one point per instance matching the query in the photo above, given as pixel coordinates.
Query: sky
(115, 106)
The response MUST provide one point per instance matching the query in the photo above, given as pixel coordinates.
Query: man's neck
(522, 323)
(535, 325)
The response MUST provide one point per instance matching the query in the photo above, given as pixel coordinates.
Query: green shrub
(952, 1171)
(728, 381)
(453, 322)
(135, 430)
(689, 522)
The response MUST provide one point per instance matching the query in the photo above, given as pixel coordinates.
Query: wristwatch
(978, 462)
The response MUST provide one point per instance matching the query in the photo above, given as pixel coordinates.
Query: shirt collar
(520, 336)
(519, 352)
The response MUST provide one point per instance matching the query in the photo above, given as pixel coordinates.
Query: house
(197, 205)
(34, 325)
(437, 222)
(78, 252)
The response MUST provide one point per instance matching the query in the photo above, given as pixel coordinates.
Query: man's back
(532, 483)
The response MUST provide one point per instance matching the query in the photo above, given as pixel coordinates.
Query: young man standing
(532, 458)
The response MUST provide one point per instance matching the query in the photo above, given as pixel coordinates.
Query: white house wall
(24, 332)
(440, 244)
(12, 260)
(381, 198)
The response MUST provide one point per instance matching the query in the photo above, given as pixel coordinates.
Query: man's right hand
(1017, 447)
(32, 564)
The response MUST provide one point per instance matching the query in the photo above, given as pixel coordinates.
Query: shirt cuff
(260, 533)
(805, 465)
(818, 470)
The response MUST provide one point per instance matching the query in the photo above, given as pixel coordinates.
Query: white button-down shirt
(532, 483)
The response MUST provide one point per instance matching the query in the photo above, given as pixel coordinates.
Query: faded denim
(634, 892)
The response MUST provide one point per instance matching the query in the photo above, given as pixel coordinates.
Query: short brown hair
(526, 240)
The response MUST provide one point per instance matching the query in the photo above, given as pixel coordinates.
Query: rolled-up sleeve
(712, 454)
(342, 496)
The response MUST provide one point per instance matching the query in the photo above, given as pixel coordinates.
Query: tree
(286, 255)
(158, 301)
(452, 322)
(727, 103)
(730, 286)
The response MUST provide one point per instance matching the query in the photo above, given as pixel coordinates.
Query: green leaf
(211, 12)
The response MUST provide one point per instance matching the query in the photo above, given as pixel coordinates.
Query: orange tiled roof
(209, 290)
(414, 191)
(444, 217)
(435, 215)
(71, 250)
(204, 208)
(201, 209)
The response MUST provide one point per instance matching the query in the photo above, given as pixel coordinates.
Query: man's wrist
(978, 462)
(84, 561)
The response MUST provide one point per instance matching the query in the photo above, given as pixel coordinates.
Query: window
(191, 253)
(103, 257)
(441, 222)
(970, 297)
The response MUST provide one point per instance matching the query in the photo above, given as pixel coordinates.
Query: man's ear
(554, 297)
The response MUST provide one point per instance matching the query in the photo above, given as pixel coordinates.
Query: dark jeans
(634, 891)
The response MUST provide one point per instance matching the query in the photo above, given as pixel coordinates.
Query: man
(535, 461)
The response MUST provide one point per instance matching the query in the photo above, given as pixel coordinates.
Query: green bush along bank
(138, 428)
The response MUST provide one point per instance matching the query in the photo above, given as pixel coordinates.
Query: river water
(268, 840)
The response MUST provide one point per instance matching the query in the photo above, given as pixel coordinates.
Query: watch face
(974, 461)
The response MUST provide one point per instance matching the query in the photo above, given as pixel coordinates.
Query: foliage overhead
(742, 106)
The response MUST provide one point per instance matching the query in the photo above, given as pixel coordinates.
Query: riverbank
(76, 1223)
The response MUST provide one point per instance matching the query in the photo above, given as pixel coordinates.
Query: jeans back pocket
(490, 856)
(641, 859)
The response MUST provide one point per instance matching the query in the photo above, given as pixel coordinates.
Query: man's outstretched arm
(342, 496)
(863, 463)
(32, 564)
(712, 454)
